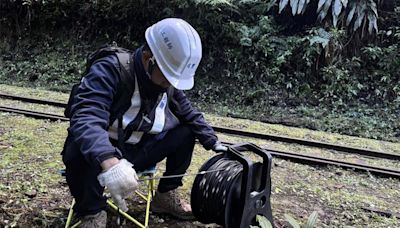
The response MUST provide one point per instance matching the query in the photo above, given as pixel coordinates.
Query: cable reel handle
(252, 148)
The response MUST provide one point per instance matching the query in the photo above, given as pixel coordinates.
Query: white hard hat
(176, 46)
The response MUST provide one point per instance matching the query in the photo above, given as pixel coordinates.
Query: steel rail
(300, 158)
(33, 100)
(314, 160)
(312, 143)
(387, 214)
(271, 137)
(309, 160)
(34, 114)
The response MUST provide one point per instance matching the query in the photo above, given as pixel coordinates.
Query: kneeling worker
(156, 121)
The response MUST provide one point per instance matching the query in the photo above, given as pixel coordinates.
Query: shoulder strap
(124, 59)
(170, 93)
(126, 85)
(125, 88)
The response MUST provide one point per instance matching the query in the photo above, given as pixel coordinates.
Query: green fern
(357, 15)
(310, 223)
(312, 220)
(263, 222)
(292, 221)
(214, 2)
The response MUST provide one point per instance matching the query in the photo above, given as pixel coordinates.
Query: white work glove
(120, 180)
(218, 147)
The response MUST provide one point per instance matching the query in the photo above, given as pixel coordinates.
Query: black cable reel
(238, 192)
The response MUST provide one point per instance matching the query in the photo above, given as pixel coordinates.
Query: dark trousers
(177, 146)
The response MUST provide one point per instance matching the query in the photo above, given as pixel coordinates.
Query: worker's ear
(146, 55)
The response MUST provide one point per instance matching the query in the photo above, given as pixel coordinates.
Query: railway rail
(300, 158)
(385, 213)
(272, 137)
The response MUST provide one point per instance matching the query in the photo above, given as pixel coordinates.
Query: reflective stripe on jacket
(91, 127)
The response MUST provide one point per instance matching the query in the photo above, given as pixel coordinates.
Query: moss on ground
(34, 92)
(32, 193)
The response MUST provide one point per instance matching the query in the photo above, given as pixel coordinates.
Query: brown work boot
(171, 203)
(98, 220)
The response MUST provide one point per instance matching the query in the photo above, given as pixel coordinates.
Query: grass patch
(30, 160)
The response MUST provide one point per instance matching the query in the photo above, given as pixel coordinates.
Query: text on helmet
(166, 40)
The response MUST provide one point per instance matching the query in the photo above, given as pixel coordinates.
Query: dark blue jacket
(91, 110)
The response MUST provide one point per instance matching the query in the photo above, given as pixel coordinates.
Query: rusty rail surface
(271, 137)
(300, 158)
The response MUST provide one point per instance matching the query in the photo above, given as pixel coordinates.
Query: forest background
(330, 65)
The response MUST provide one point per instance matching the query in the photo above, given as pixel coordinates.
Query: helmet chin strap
(152, 63)
(149, 72)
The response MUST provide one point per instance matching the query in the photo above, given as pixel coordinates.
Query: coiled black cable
(211, 192)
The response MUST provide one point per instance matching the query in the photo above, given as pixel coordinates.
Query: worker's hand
(218, 147)
(121, 180)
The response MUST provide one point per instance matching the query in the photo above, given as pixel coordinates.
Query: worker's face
(157, 77)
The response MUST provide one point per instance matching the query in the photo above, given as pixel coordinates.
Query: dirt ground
(33, 193)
